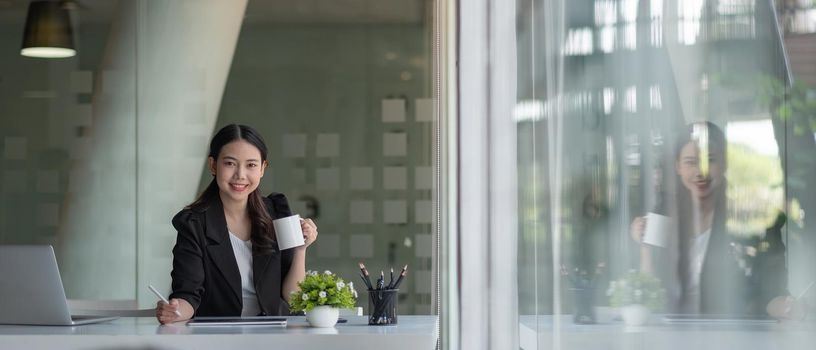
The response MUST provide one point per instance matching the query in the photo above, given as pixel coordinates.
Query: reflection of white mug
(658, 228)
(288, 232)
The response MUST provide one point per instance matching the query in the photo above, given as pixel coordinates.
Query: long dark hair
(717, 144)
(262, 234)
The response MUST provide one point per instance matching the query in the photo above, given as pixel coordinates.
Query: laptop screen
(30, 286)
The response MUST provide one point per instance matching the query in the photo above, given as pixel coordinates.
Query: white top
(243, 256)
(696, 254)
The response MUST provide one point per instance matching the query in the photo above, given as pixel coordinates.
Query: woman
(226, 261)
(706, 269)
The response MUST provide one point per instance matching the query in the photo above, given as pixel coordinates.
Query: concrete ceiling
(336, 11)
(261, 11)
(94, 11)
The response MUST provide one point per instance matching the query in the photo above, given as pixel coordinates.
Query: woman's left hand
(309, 231)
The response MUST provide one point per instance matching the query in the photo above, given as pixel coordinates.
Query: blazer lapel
(221, 252)
(262, 262)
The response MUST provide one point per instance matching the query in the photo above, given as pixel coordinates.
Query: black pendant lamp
(48, 31)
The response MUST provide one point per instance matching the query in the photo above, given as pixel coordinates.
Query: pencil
(365, 277)
(381, 281)
(401, 276)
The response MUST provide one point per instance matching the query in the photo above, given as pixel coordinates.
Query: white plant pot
(323, 316)
(635, 314)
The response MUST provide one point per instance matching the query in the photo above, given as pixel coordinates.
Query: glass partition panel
(101, 149)
(68, 143)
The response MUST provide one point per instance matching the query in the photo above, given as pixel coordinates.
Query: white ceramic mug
(657, 231)
(288, 232)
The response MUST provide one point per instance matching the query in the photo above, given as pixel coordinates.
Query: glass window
(665, 165)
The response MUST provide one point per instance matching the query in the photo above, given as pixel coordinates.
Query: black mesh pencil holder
(382, 307)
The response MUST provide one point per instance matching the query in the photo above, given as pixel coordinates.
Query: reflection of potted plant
(321, 296)
(636, 294)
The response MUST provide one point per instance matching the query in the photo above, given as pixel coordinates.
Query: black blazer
(727, 288)
(205, 272)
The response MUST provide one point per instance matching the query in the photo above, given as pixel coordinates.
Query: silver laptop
(31, 290)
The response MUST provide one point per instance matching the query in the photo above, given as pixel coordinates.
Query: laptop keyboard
(80, 318)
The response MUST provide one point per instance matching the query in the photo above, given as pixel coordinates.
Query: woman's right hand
(637, 228)
(172, 312)
(787, 308)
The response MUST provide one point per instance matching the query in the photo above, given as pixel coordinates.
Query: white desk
(540, 333)
(412, 332)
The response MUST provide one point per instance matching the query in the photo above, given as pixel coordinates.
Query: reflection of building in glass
(797, 16)
(798, 20)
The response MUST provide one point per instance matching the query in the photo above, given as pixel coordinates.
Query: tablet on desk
(237, 321)
(719, 318)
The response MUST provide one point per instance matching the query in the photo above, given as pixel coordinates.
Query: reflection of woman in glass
(706, 269)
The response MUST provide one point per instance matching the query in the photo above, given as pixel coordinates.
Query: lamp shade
(48, 31)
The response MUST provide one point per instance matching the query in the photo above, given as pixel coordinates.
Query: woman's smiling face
(238, 170)
(701, 183)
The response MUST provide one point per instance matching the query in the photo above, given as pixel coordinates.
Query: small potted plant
(637, 295)
(321, 296)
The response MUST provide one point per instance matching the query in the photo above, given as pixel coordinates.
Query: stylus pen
(802, 294)
(152, 289)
